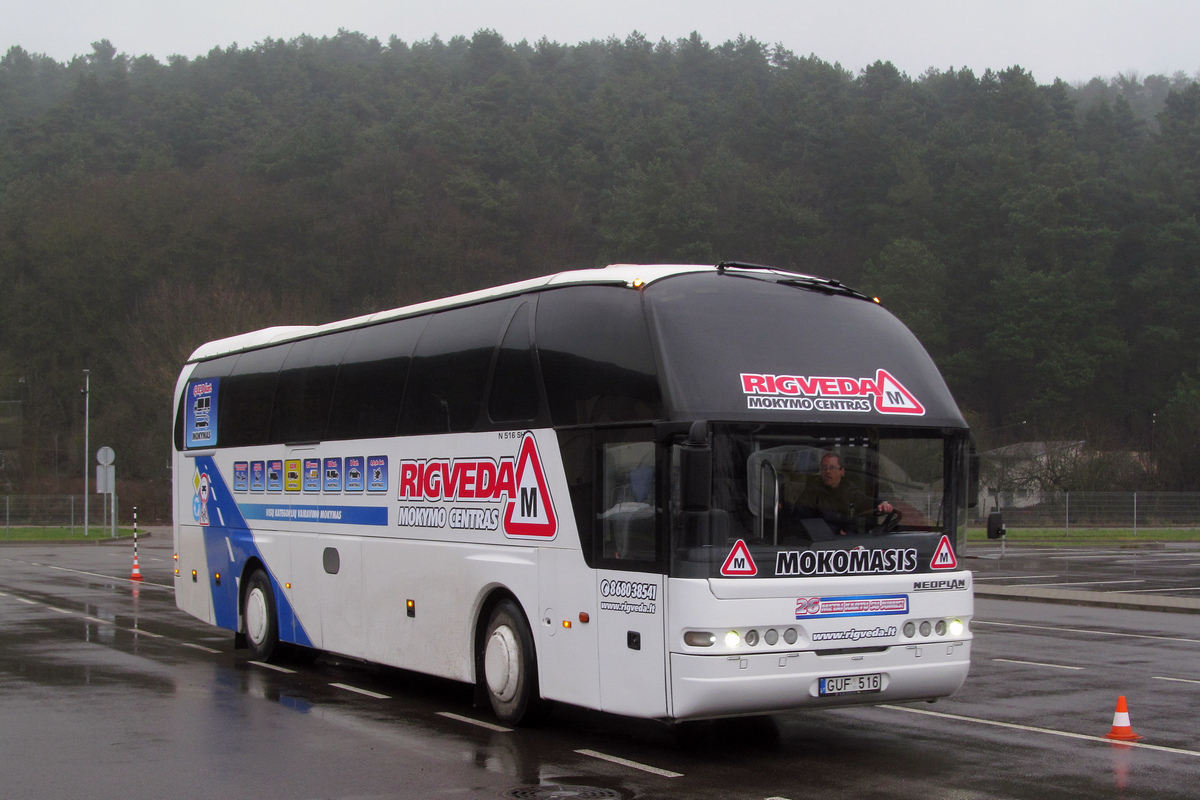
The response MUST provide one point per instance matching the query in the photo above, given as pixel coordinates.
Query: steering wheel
(890, 522)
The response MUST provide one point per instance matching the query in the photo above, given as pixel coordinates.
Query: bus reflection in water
(589, 488)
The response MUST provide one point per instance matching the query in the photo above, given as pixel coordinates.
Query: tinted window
(514, 384)
(246, 397)
(370, 383)
(595, 354)
(450, 369)
(714, 329)
(217, 368)
(305, 389)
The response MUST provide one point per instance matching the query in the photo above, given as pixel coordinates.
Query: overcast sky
(1072, 39)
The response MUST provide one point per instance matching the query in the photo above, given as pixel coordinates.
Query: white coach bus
(671, 492)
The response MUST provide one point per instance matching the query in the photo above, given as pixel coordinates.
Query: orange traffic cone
(137, 573)
(1120, 727)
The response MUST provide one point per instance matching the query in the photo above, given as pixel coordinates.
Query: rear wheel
(258, 617)
(509, 665)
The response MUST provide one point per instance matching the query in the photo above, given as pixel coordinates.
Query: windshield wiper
(798, 279)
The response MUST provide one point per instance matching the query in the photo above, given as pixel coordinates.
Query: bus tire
(509, 665)
(259, 618)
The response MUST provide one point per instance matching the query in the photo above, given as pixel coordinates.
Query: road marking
(61, 610)
(26, 602)
(141, 632)
(1147, 591)
(199, 647)
(99, 575)
(1177, 680)
(1032, 729)
(1087, 630)
(99, 621)
(1081, 583)
(265, 665)
(979, 578)
(1035, 663)
(666, 773)
(367, 692)
(491, 726)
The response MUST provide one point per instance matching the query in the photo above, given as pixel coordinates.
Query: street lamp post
(87, 385)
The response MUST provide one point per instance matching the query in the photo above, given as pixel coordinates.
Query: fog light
(957, 627)
(731, 639)
(925, 628)
(771, 636)
(699, 639)
(910, 629)
(752, 638)
(940, 628)
(789, 636)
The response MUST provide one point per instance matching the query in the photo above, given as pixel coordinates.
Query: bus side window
(216, 368)
(450, 369)
(370, 381)
(514, 393)
(305, 389)
(629, 514)
(596, 359)
(578, 457)
(247, 396)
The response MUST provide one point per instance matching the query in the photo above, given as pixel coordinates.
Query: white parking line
(480, 723)
(1035, 663)
(1177, 680)
(624, 762)
(1081, 583)
(1032, 729)
(265, 665)
(979, 578)
(367, 692)
(101, 575)
(1093, 631)
(1147, 591)
(141, 632)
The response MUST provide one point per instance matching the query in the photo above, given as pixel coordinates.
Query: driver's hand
(885, 507)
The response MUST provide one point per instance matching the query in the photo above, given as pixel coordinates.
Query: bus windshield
(783, 489)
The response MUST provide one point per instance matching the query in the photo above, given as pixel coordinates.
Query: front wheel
(258, 617)
(509, 664)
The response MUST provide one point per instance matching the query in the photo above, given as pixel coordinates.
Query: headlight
(699, 639)
(957, 627)
(732, 639)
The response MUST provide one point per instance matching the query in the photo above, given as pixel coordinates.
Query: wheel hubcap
(256, 616)
(501, 664)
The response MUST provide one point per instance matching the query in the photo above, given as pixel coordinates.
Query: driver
(834, 498)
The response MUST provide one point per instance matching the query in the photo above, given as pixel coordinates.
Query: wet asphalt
(108, 691)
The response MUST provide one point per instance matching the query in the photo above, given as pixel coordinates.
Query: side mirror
(995, 526)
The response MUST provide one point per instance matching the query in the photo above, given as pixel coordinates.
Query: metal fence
(1067, 510)
(53, 511)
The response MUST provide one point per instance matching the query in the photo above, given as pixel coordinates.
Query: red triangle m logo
(943, 556)
(739, 563)
(893, 398)
(530, 511)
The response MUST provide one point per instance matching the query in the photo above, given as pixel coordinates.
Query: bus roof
(614, 274)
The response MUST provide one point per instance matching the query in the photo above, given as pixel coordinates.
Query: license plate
(851, 684)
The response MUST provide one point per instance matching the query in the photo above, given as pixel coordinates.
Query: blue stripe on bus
(345, 515)
(226, 523)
